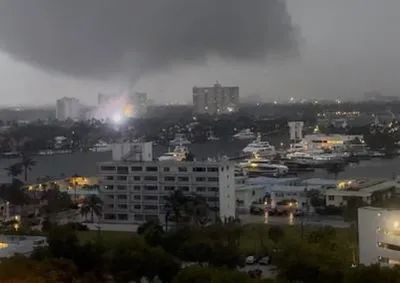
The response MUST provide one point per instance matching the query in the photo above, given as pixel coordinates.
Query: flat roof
(364, 190)
(12, 244)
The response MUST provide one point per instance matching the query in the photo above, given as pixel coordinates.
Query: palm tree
(93, 205)
(14, 170)
(175, 203)
(27, 163)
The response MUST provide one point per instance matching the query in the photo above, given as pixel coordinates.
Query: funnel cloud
(98, 39)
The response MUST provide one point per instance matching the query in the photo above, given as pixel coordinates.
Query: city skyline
(345, 48)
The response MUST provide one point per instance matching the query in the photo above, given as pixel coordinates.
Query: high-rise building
(138, 100)
(216, 99)
(296, 130)
(68, 108)
(379, 236)
(134, 187)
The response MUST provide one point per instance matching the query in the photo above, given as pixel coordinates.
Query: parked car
(251, 259)
(266, 260)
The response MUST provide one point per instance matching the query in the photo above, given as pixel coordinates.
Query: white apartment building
(68, 108)
(134, 187)
(216, 99)
(379, 236)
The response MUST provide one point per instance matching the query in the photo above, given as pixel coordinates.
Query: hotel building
(134, 187)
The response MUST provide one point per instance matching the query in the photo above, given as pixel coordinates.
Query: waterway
(84, 163)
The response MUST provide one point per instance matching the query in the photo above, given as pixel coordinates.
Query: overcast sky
(341, 49)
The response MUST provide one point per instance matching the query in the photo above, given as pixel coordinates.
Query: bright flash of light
(117, 118)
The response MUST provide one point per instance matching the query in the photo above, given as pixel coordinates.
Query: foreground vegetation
(321, 254)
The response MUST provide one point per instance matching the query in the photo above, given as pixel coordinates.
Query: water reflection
(291, 218)
(266, 217)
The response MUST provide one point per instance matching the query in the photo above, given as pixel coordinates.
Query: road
(316, 220)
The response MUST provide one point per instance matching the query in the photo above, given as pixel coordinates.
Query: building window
(199, 169)
(331, 197)
(122, 216)
(137, 207)
(213, 179)
(166, 169)
(201, 179)
(137, 197)
(122, 206)
(122, 170)
(109, 216)
(138, 217)
(151, 217)
(212, 199)
(123, 197)
(110, 206)
(122, 178)
(150, 197)
(109, 187)
(184, 189)
(212, 169)
(183, 179)
(136, 168)
(109, 178)
(121, 187)
(200, 189)
(136, 178)
(169, 179)
(110, 196)
(150, 207)
(169, 188)
(150, 188)
(151, 169)
(107, 168)
(182, 169)
(150, 178)
(213, 189)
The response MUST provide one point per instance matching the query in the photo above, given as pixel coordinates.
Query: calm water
(82, 163)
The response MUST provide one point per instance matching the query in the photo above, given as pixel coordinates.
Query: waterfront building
(68, 108)
(379, 236)
(367, 190)
(216, 99)
(318, 141)
(296, 130)
(134, 187)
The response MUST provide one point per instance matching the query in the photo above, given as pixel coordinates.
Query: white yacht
(263, 166)
(245, 134)
(212, 137)
(102, 146)
(260, 147)
(178, 154)
(179, 140)
(315, 157)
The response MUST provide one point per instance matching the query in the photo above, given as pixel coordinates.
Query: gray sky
(347, 47)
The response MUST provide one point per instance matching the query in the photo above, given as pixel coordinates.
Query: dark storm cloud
(99, 38)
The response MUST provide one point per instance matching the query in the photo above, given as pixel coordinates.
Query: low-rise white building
(367, 191)
(379, 236)
(19, 245)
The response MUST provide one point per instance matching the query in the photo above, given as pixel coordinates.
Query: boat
(178, 154)
(179, 140)
(262, 148)
(262, 166)
(46, 152)
(245, 134)
(316, 157)
(101, 146)
(212, 137)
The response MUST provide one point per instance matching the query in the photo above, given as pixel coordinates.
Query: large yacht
(261, 166)
(178, 154)
(315, 157)
(260, 147)
(101, 146)
(179, 140)
(245, 134)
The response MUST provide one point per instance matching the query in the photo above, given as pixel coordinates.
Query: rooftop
(12, 245)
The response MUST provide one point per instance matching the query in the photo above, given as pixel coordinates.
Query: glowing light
(117, 118)
(230, 109)
(396, 224)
